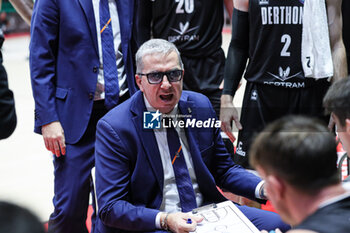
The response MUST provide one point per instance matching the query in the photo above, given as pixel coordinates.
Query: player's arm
(235, 64)
(24, 9)
(229, 7)
(335, 24)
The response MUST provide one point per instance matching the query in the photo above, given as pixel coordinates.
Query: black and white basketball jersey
(194, 26)
(275, 43)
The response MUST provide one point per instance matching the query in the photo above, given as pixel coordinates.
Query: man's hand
(228, 113)
(54, 138)
(177, 222)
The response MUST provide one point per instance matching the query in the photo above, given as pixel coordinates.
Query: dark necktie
(110, 71)
(182, 176)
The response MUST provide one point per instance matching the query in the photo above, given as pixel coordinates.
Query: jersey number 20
(184, 5)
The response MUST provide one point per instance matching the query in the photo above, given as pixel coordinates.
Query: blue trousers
(264, 220)
(73, 182)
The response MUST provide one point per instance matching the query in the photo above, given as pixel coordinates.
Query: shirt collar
(334, 199)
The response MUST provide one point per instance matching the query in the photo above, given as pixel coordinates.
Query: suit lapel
(187, 108)
(90, 18)
(205, 180)
(147, 137)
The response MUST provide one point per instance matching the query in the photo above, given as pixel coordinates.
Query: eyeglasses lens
(157, 77)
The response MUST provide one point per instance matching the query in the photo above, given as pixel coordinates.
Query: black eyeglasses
(157, 77)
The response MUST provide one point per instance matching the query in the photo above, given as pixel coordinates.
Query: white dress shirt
(171, 200)
(117, 48)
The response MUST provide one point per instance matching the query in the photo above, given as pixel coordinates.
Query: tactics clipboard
(223, 217)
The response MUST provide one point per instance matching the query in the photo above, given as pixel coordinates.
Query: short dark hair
(337, 99)
(300, 150)
(15, 219)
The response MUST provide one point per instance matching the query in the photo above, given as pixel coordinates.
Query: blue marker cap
(189, 221)
(272, 231)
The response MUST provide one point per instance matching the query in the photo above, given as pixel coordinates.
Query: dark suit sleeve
(143, 21)
(232, 176)
(42, 59)
(113, 175)
(8, 119)
(226, 173)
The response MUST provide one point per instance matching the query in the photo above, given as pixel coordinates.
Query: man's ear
(347, 125)
(277, 187)
(139, 82)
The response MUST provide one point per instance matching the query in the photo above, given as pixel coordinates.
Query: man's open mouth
(166, 97)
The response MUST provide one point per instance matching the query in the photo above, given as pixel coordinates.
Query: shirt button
(94, 69)
(91, 96)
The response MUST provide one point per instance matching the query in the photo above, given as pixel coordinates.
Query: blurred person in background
(337, 103)
(297, 158)
(8, 118)
(16, 219)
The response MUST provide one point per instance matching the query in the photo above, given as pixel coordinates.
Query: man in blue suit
(68, 72)
(137, 183)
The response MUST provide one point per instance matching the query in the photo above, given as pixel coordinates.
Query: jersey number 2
(286, 39)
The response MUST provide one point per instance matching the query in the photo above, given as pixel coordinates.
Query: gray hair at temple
(155, 46)
(337, 99)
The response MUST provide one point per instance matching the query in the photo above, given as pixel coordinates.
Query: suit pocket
(207, 150)
(61, 93)
(207, 154)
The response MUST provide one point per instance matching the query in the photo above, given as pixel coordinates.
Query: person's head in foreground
(15, 219)
(337, 102)
(297, 158)
(159, 72)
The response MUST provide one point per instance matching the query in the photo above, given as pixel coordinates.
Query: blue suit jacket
(129, 172)
(64, 61)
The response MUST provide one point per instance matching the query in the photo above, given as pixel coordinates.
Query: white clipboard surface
(223, 217)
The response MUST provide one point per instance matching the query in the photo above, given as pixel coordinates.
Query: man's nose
(165, 82)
